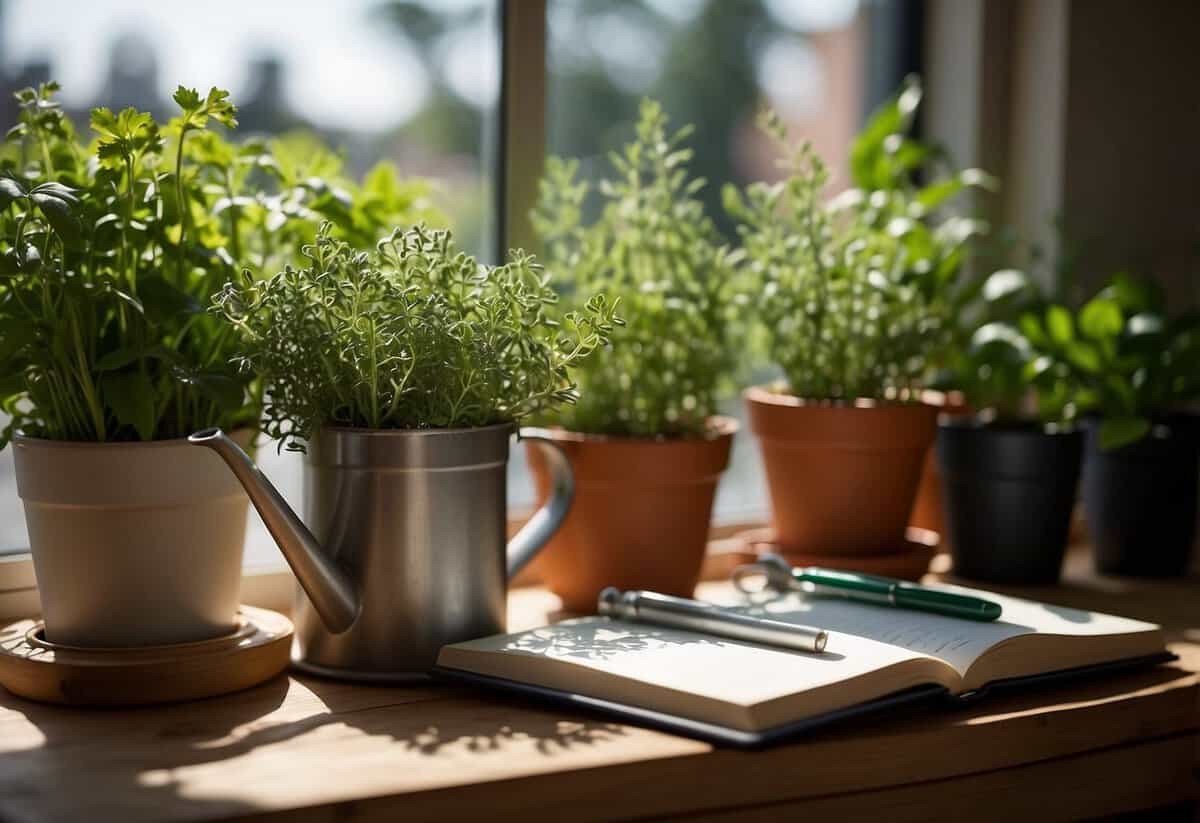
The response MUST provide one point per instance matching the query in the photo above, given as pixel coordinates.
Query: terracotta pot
(133, 544)
(842, 478)
(641, 513)
(929, 509)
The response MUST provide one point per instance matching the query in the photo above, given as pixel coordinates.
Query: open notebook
(748, 694)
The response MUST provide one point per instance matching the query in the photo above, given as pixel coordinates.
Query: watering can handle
(545, 521)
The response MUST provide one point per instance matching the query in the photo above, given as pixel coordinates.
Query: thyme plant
(856, 293)
(110, 253)
(652, 248)
(414, 335)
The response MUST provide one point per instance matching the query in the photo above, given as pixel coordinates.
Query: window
(418, 81)
(413, 82)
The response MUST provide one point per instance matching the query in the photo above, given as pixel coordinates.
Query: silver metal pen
(695, 615)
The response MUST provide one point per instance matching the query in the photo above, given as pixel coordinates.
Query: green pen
(865, 588)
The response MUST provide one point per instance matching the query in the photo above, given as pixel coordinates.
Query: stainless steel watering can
(404, 548)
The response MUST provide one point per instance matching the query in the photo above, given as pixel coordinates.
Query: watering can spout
(332, 593)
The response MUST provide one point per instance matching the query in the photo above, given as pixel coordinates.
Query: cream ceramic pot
(134, 544)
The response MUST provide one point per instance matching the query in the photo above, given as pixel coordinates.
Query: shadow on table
(104, 764)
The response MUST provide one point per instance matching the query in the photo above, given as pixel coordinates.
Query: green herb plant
(857, 293)
(1120, 356)
(993, 363)
(654, 249)
(414, 335)
(110, 253)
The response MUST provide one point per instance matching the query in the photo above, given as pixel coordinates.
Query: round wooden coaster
(37, 669)
(910, 561)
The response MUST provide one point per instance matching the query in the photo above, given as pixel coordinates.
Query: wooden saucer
(910, 561)
(35, 668)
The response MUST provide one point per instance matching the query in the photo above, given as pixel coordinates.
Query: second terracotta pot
(641, 513)
(842, 477)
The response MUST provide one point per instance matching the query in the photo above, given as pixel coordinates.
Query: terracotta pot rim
(766, 397)
(949, 400)
(117, 445)
(720, 427)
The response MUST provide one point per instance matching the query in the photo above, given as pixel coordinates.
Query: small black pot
(1009, 490)
(1140, 500)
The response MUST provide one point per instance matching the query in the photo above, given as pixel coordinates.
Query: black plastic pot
(1140, 500)
(1008, 491)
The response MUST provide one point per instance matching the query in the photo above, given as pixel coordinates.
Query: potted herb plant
(645, 440)
(402, 374)
(1134, 369)
(1010, 473)
(855, 299)
(110, 254)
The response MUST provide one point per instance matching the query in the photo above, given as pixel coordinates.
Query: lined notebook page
(958, 642)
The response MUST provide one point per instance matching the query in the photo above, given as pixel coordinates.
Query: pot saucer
(37, 669)
(910, 560)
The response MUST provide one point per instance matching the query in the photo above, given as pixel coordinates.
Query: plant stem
(179, 193)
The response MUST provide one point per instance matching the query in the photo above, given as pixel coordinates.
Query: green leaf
(1060, 325)
(1134, 295)
(935, 194)
(116, 359)
(868, 147)
(1034, 331)
(59, 213)
(1084, 355)
(131, 396)
(1004, 283)
(992, 333)
(1101, 319)
(104, 121)
(10, 190)
(218, 107)
(1145, 324)
(1122, 431)
(187, 99)
(161, 300)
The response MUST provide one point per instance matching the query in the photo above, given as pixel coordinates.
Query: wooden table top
(313, 750)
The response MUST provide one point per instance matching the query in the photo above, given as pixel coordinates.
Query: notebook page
(958, 642)
(668, 661)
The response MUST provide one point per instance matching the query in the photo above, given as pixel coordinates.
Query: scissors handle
(777, 571)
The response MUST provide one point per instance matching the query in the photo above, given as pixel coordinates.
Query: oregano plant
(412, 335)
(654, 249)
(856, 293)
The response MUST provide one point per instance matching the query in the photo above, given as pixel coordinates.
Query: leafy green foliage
(656, 252)
(416, 335)
(109, 254)
(996, 366)
(1119, 357)
(857, 294)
